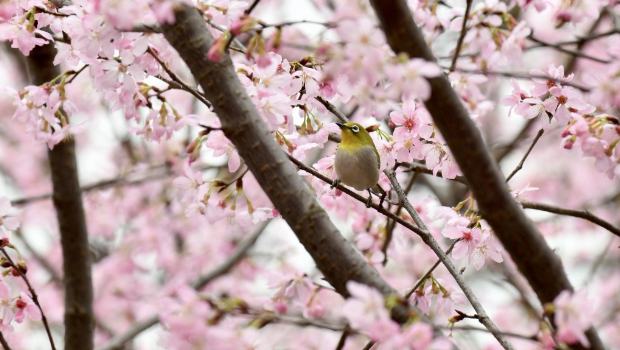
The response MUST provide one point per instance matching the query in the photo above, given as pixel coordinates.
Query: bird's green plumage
(352, 141)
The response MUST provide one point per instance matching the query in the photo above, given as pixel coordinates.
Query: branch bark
(535, 260)
(67, 198)
(242, 124)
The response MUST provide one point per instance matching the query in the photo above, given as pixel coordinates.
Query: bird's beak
(342, 126)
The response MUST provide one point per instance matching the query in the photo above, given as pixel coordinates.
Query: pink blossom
(25, 306)
(9, 223)
(412, 77)
(487, 246)
(365, 311)
(573, 316)
(566, 99)
(556, 77)
(222, 146)
(23, 36)
(519, 195)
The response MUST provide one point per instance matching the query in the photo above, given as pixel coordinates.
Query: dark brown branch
(252, 7)
(33, 296)
(67, 198)
(527, 247)
(343, 339)
(222, 269)
(4, 343)
(461, 37)
(583, 214)
(430, 271)
(529, 150)
(242, 124)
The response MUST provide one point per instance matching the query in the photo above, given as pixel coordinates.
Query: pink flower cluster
(596, 135)
(475, 242)
(366, 311)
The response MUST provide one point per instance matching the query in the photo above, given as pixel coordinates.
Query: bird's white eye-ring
(355, 128)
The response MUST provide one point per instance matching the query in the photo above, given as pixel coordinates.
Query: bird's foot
(382, 198)
(335, 183)
(369, 201)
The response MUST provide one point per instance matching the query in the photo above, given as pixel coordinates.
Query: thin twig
(520, 75)
(271, 317)
(117, 181)
(335, 111)
(421, 168)
(252, 7)
(508, 334)
(389, 232)
(33, 295)
(343, 339)
(430, 241)
(178, 80)
(242, 249)
(429, 272)
(41, 260)
(583, 214)
(568, 51)
(520, 165)
(600, 259)
(75, 74)
(354, 195)
(459, 43)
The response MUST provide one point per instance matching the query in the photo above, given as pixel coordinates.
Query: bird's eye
(355, 128)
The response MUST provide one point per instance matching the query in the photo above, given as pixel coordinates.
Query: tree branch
(67, 198)
(583, 214)
(430, 241)
(529, 150)
(243, 126)
(33, 295)
(461, 37)
(117, 181)
(4, 343)
(536, 261)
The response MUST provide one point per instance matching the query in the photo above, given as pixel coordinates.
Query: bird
(357, 160)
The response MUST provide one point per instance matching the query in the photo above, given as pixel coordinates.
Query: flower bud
(21, 265)
(243, 25)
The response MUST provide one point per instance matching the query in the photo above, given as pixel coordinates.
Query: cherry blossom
(572, 316)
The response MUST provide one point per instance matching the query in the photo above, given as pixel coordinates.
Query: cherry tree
(167, 174)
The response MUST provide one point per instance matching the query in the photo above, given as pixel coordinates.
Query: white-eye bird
(357, 159)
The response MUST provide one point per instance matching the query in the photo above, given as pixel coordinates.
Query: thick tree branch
(519, 236)
(335, 257)
(67, 198)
